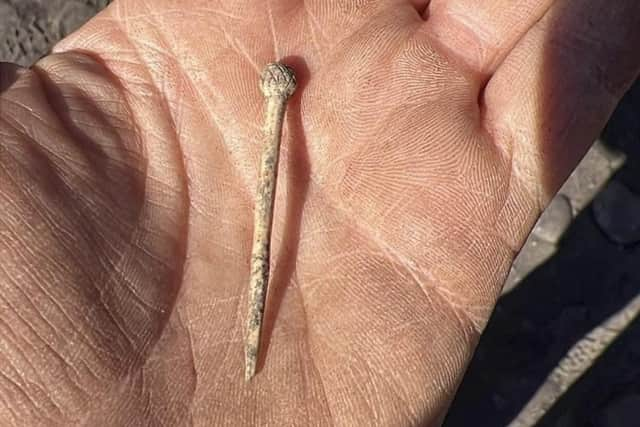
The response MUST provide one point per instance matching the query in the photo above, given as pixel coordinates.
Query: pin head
(277, 80)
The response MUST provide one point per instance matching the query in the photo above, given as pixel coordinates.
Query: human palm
(416, 155)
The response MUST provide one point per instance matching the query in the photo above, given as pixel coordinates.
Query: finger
(482, 32)
(554, 93)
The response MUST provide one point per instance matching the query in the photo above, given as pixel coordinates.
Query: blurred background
(579, 268)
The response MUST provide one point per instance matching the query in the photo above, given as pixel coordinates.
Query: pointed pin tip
(250, 368)
(249, 374)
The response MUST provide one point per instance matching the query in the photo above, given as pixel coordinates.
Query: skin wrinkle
(493, 34)
(53, 225)
(457, 64)
(482, 56)
(305, 380)
(127, 282)
(106, 309)
(370, 237)
(506, 143)
(41, 316)
(102, 115)
(18, 313)
(236, 299)
(272, 25)
(33, 140)
(185, 190)
(128, 106)
(380, 374)
(506, 152)
(42, 389)
(193, 364)
(313, 27)
(117, 323)
(247, 187)
(20, 390)
(146, 393)
(536, 192)
(310, 356)
(185, 75)
(19, 372)
(237, 45)
(328, 344)
(403, 260)
(46, 154)
(4, 402)
(55, 302)
(354, 156)
(237, 324)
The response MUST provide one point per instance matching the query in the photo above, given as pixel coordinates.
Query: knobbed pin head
(277, 80)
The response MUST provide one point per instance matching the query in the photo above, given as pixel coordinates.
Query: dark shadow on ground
(9, 73)
(532, 328)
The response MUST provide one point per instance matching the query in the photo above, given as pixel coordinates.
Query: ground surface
(581, 264)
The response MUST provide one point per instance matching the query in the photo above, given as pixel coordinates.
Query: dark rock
(617, 212)
(622, 412)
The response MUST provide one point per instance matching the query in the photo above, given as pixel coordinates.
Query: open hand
(422, 143)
